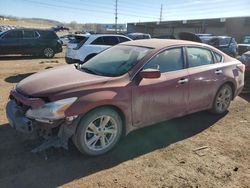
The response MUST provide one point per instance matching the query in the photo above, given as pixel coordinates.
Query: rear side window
(48, 34)
(30, 34)
(123, 39)
(199, 56)
(106, 40)
(109, 40)
(13, 34)
(218, 57)
(169, 60)
(98, 41)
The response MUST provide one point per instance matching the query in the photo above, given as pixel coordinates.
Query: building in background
(105, 28)
(236, 27)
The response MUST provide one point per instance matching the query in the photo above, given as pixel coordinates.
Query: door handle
(183, 81)
(218, 72)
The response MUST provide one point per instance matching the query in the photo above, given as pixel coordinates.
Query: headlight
(51, 111)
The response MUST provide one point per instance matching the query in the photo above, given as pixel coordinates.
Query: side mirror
(150, 73)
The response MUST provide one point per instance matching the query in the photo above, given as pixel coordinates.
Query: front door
(159, 99)
(10, 42)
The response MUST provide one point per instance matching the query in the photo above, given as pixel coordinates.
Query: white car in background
(90, 46)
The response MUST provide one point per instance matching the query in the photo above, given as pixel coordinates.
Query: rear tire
(98, 132)
(222, 99)
(48, 52)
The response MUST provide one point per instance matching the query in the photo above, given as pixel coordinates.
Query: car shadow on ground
(245, 96)
(23, 57)
(17, 78)
(19, 167)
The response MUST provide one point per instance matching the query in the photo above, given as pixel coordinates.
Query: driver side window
(169, 60)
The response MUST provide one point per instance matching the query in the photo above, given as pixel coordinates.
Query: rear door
(30, 43)
(205, 76)
(155, 100)
(11, 42)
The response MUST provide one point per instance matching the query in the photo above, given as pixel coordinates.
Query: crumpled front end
(16, 111)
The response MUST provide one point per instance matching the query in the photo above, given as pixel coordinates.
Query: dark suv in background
(226, 44)
(30, 42)
(245, 45)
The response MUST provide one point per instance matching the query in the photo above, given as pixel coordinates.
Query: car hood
(57, 80)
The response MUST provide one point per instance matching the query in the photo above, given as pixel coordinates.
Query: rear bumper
(71, 60)
(58, 49)
(17, 119)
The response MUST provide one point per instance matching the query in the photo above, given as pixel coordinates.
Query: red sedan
(126, 87)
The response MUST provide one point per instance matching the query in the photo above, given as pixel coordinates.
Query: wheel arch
(90, 105)
(232, 85)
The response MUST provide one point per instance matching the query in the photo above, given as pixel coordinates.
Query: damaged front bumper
(17, 119)
(55, 134)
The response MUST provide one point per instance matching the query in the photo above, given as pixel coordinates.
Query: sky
(103, 11)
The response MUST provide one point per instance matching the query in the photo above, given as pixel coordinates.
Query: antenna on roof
(161, 13)
(116, 1)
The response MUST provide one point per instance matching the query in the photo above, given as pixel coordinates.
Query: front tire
(98, 132)
(222, 99)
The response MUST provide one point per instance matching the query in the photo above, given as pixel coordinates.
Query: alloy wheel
(48, 52)
(100, 133)
(223, 99)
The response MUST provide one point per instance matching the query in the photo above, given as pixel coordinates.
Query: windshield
(246, 40)
(225, 41)
(77, 39)
(115, 61)
(205, 39)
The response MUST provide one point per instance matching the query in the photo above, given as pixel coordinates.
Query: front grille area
(22, 106)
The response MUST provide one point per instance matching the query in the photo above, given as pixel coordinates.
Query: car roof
(161, 43)
(138, 34)
(223, 37)
(102, 35)
(30, 29)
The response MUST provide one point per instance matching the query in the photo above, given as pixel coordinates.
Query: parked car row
(226, 44)
(6, 28)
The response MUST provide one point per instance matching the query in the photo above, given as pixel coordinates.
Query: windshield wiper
(89, 70)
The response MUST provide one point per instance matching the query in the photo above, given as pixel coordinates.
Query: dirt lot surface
(198, 150)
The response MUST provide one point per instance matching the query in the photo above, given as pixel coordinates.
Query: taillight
(79, 45)
(241, 67)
